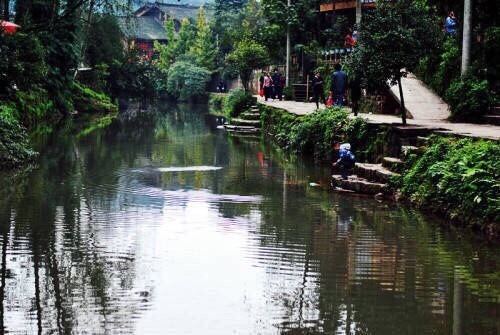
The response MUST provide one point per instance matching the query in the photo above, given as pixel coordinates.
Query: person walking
(339, 83)
(277, 84)
(268, 82)
(318, 89)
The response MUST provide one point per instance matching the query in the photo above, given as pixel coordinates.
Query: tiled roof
(179, 11)
(144, 28)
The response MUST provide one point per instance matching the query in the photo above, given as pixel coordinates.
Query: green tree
(302, 16)
(105, 44)
(186, 81)
(394, 38)
(203, 49)
(167, 52)
(247, 56)
(185, 37)
(56, 24)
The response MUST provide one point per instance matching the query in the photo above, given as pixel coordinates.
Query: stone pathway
(426, 108)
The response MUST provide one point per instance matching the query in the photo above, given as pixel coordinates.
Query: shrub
(459, 178)
(289, 93)
(14, 146)
(314, 133)
(133, 78)
(216, 100)
(448, 68)
(22, 62)
(187, 81)
(34, 105)
(236, 102)
(88, 101)
(468, 98)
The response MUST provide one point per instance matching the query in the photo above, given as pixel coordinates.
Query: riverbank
(22, 119)
(455, 174)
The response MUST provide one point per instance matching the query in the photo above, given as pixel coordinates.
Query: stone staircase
(366, 178)
(493, 117)
(247, 123)
(373, 179)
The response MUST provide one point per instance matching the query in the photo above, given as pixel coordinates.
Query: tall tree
(247, 56)
(203, 48)
(56, 24)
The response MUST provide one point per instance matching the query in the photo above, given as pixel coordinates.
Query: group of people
(271, 86)
(339, 84)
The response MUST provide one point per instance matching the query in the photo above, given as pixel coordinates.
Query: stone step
(359, 185)
(246, 136)
(250, 116)
(373, 172)
(254, 109)
(241, 129)
(494, 110)
(422, 141)
(493, 119)
(410, 131)
(244, 122)
(392, 163)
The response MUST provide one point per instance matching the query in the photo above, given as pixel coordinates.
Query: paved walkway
(426, 109)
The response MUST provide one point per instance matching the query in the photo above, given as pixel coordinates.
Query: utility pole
(466, 36)
(287, 70)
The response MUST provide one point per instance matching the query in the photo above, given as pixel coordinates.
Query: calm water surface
(164, 224)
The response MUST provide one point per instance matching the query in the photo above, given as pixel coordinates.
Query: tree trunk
(403, 108)
(466, 36)
(358, 13)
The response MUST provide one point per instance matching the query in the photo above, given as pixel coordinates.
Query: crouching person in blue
(346, 158)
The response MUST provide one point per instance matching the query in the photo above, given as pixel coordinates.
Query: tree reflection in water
(75, 252)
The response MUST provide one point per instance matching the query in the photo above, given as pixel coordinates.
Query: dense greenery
(88, 101)
(39, 67)
(236, 102)
(440, 68)
(468, 98)
(187, 61)
(314, 134)
(14, 146)
(186, 81)
(457, 177)
(247, 56)
(396, 36)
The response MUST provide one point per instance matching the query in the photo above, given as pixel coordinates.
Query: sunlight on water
(181, 168)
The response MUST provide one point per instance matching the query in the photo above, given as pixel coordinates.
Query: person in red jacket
(348, 40)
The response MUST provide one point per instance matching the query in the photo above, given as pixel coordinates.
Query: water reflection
(121, 231)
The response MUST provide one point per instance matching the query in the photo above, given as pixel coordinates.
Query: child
(346, 158)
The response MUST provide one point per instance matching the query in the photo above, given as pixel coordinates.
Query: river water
(164, 224)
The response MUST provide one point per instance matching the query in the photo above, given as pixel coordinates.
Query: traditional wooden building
(140, 33)
(147, 26)
(341, 5)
